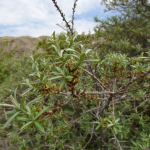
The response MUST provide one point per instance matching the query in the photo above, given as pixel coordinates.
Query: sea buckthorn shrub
(82, 96)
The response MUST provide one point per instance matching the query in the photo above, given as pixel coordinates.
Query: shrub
(82, 97)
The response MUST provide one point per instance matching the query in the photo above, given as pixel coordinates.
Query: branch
(133, 80)
(73, 14)
(143, 3)
(63, 16)
(101, 84)
(120, 148)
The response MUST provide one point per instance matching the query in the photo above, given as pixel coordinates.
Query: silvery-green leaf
(11, 119)
(22, 102)
(26, 91)
(7, 105)
(39, 126)
(87, 51)
(34, 100)
(53, 78)
(21, 118)
(90, 60)
(71, 55)
(28, 109)
(25, 126)
(14, 101)
(41, 112)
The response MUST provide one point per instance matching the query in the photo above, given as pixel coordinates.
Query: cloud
(36, 18)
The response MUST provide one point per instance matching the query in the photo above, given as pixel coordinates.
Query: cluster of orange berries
(55, 109)
(50, 90)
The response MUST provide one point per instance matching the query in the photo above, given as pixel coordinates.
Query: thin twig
(134, 116)
(119, 146)
(88, 140)
(101, 84)
(133, 80)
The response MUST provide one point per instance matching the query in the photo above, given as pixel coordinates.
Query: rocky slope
(21, 45)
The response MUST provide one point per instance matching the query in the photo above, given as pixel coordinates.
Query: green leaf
(69, 77)
(71, 55)
(25, 126)
(109, 121)
(82, 56)
(41, 112)
(22, 102)
(28, 109)
(54, 35)
(53, 78)
(7, 105)
(87, 51)
(11, 119)
(15, 93)
(97, 122)
(117, 120)
(11, 112)
(41, 76)
(21, 118)
(56, 49)
(62, 83)
(76, 34)
(26, 91)
(39, 126)
(72, 50)
(115, 130)
(89, 60)
(28, 83)
(34, 100)
(61, 58)
(14, 101)
(59, 70)
(110, 125)
(98, 127)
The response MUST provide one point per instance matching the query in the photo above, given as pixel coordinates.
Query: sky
(39, 17)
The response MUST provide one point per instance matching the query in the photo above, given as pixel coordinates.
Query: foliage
(86, 95)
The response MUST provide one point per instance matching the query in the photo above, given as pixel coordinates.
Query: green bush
(82, 95)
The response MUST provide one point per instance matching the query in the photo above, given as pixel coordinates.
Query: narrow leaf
(71, 55)
(62, 83)
(69, 77)
(21, 118)
(87, 51)
(28, 109)
(41, 112)
(25, 126)
(53, 78)
(11, 112)
(15, 93)
(26, 91)
(11, 119)
(82, 56)
(72, 50)
(89, 60)
(98, 127)
(54, 35)
(22, 102)
(39, 126)
(14, 101)
(110, 125)
(7, 105)
(34, 100)
(41, 76)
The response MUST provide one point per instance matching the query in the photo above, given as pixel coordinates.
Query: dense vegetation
(89, 92)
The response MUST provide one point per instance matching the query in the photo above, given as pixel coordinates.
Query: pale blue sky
(39, 17)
